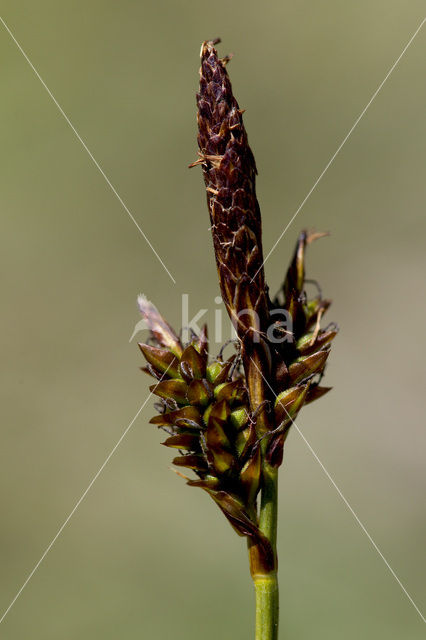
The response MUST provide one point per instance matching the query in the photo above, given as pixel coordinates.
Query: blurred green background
(144, 556)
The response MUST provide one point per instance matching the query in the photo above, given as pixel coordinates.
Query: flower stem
(266, 586)
(264, 574)
(265, 579)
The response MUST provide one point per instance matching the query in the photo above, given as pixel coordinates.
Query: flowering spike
(229, 173)
(229, 423)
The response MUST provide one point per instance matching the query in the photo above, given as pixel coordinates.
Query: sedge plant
(228, 418)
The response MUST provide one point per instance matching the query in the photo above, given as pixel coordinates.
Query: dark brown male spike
(230, 176)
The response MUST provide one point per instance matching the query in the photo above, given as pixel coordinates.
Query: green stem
(264, 577)
(266, 586)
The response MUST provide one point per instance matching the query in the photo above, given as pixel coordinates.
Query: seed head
(229, 424)
(206, 415)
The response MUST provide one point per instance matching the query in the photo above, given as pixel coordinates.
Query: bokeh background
(144, 556)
